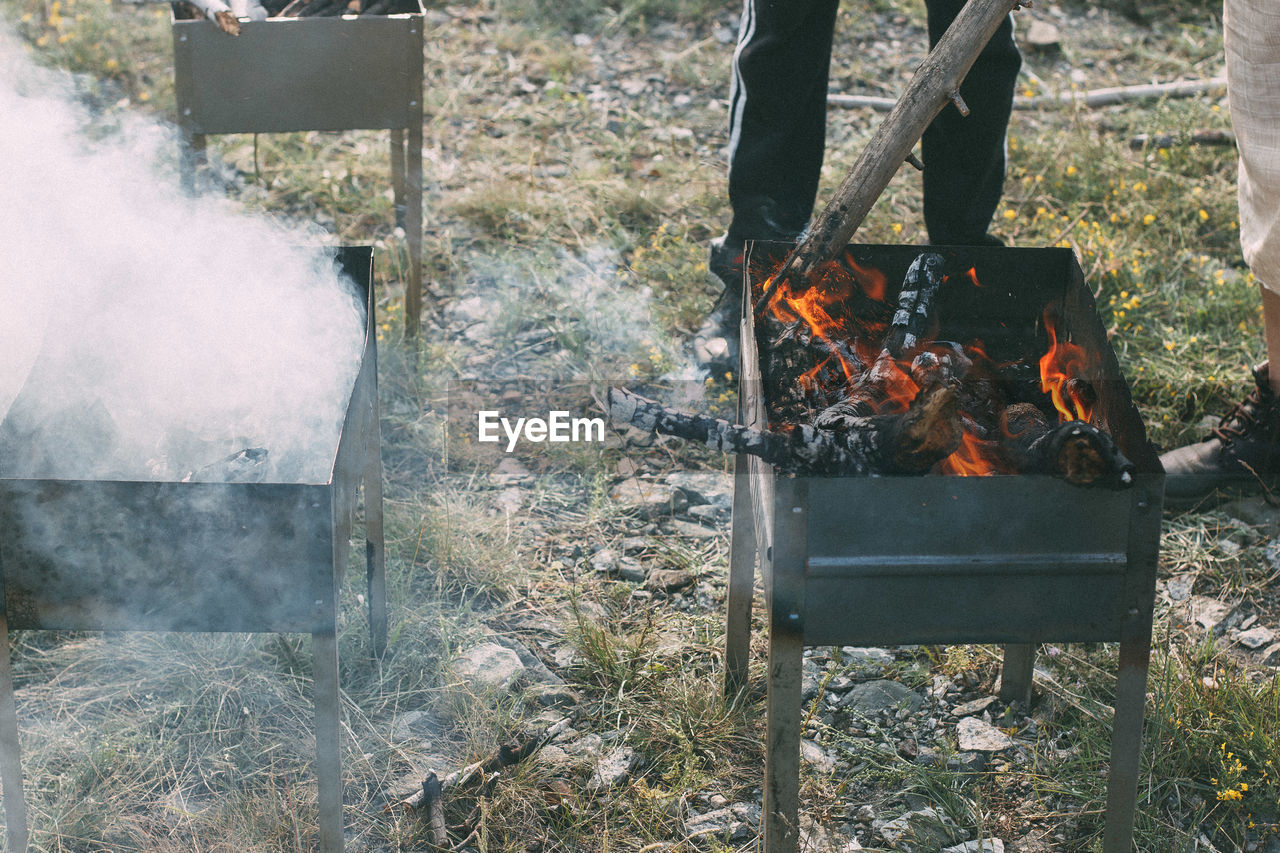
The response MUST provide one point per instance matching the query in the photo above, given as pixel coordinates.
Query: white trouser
(1252, 39)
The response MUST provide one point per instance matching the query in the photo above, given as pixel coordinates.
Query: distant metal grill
(298, 74)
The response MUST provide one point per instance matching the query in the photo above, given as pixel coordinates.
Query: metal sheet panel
(287, 74)
(95, 555)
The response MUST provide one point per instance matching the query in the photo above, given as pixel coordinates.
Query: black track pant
(777, 123)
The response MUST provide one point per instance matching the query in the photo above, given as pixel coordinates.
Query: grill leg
(374, 542)
(742, 568)
(397, 173)
(1126, 743)
(1016, 674)
(782, 754)
(324, 649)
(413, 227)
(15, 804)
(191, 157)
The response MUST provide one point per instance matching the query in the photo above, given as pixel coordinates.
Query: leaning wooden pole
(935, 84)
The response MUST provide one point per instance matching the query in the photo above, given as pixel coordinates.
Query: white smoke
(145, 334)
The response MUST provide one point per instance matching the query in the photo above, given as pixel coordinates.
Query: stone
(1178, 588)
(987, 845)
(872, 698)
(976, 735)
(691, 530)
(731, 824)
(510, 471)
(411, 725)
(1271, 655)
(977, 706)
(865, 657)
(648, 499)
(1043, 35)
(920, 831)
(604, 561)
(710, 514)
(817, 757)
(612, 769)
(488, 667)
(968, 762)
(1256, 637)
(631, 569)
(669, 580)
(704, 487)
(509, 500)
(1214, 616)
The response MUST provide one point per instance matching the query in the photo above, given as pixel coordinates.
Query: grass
(574, 176)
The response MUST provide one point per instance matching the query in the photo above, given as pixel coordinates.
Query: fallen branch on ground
(1109, 96)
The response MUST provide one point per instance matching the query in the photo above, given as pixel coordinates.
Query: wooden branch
(1169, 140)
(433, 800)
(929, 91)
(909, 443)
(1092, 98)
(506, 755)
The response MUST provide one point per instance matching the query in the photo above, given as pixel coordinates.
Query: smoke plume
(145, 334)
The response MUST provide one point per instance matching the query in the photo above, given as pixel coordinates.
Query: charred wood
(504, 756)
(433, 802)
(882, 444)
(1076, 451)
(913, 320)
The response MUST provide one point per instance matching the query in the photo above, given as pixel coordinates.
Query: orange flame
(870, 279)
(1063, 362)
(973, 458)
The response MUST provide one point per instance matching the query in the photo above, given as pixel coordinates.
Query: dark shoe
(1241, 456)
(715, 344)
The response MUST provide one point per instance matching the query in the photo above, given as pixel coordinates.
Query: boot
(1240, 456)
(715, 344)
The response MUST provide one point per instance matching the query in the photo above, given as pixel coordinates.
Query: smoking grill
(1012, 559)
(96, 555)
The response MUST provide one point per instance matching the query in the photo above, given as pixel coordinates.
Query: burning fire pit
(1018, 559)
(100, 555)
(353, 72)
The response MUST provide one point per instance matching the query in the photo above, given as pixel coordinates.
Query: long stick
(1106, 97)
(935, 84)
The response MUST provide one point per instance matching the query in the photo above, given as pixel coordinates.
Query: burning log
(908, 443)
(1076, 451)
(914, 317)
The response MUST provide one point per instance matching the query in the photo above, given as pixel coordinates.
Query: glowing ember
(854, 366)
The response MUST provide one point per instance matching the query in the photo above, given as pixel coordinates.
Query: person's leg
(964, 156)
(1243, 452)
(777, 116)
(777, 137)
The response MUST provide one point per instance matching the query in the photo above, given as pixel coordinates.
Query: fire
(1062, 370)
(859, 365)
(871, 280)
(974, 458)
